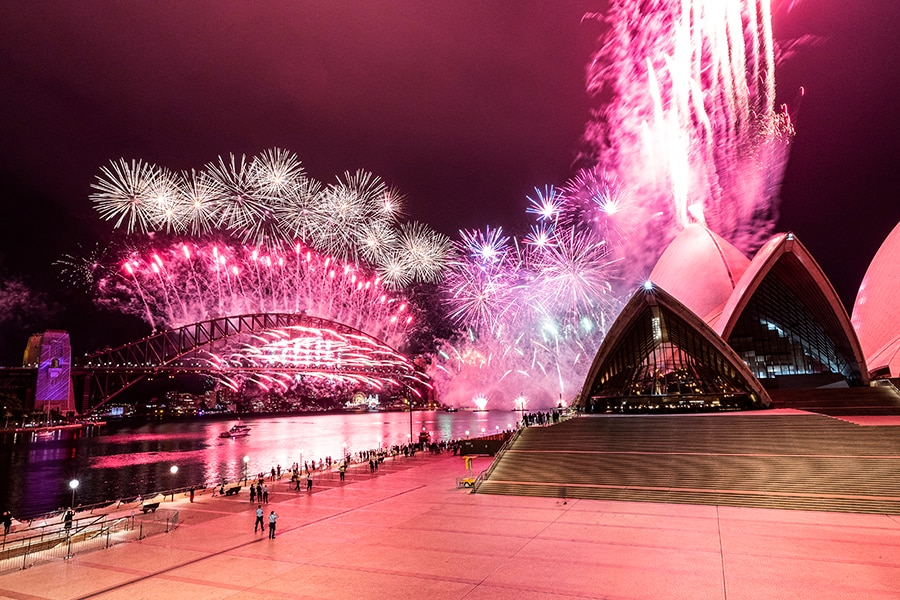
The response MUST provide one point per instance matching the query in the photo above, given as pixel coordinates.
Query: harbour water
(124, 460)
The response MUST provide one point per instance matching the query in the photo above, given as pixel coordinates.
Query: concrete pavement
(410, 533)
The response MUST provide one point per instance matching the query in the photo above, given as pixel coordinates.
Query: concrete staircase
(760, 459)
(868, 401)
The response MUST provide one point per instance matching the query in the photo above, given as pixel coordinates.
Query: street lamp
(246, 468)
(173, 470)
(73, 484)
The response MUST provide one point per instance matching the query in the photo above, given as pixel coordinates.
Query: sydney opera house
(714, 329)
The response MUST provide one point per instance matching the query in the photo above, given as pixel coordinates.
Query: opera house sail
(786, 322)
(659, 355)
(876, 313)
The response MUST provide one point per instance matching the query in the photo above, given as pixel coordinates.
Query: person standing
(192, 493)
(7, 521)
(265, 494)
(272, 518)
(252, 494)
(67, 519)
(308, 482)
(259, 519)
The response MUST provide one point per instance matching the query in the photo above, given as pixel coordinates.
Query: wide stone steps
(840, 402)
(749, 459)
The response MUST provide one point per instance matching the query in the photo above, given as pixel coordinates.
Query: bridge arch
(207, 347)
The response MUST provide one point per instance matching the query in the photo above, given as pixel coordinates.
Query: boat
(238, 430)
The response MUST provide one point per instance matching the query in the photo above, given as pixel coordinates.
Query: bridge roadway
(410, 533)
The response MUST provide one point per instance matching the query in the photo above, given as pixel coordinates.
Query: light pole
(74, 485)
(246, 468)
(173, 470)
(410, 420)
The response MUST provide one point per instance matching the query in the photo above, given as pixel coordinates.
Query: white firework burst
(301, 213)
(240, 208)
(348, 206)
(377, 241)
(199, 195)
(426, 251)
(277, 171)
(573, 273)
(123, 194)
(167, 212)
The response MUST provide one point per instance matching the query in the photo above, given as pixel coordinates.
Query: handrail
(54, 541)
(487, 472)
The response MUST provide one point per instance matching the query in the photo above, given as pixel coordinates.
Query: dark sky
(463, 105)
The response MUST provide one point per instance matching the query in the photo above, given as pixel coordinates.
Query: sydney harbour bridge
(273, 350)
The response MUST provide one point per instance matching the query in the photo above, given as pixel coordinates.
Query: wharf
(51, 428)
(409, 532)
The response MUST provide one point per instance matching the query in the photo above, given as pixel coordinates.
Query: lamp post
(410, 420)
(173, 470)
(246, 468)
(74, 485)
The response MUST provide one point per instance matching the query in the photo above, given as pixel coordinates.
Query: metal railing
(487, 472)
(60, 540)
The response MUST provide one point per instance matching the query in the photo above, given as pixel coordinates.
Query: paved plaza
(410, 533)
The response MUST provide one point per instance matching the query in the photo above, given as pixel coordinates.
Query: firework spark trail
(218, 279)
(692, 127)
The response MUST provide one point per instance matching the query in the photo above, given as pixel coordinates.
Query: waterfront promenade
(410, 533)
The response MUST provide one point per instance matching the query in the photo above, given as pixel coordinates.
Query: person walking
(342, 470)
(259, 519)
(272, 518)
(192, 493)
(308, 482)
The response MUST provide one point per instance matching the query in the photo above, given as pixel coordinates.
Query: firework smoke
(691, 129)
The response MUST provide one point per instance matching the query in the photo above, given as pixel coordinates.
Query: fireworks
(186, 282)
(339, 357)
(692, 127)
(269, 201)
(535, 309)
(689, 134)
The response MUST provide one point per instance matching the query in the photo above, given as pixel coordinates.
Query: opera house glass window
(778, 334)
(663, 363)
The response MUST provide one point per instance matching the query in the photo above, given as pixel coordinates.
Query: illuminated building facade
(716, 329)
(51, 353)
(660, 356)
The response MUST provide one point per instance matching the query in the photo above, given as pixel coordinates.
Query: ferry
(238, 430)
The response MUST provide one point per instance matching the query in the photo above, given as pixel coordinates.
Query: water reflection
(125, 461)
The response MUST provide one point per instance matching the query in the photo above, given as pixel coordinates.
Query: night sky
(465, 106)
